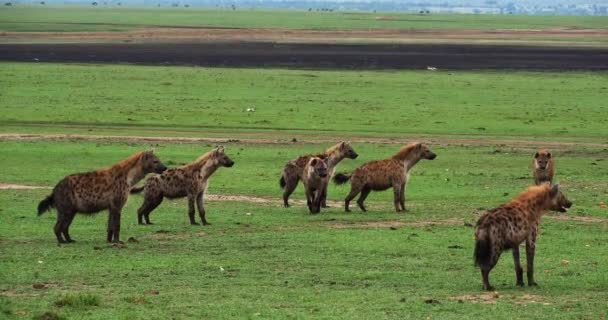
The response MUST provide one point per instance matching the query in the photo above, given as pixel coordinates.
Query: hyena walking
(95, 191)
(507, 226)
(383, 174)
(544, 167)
(294, 169)
(315, 183)
(189, 181)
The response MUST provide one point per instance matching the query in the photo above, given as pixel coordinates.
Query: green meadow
(260, 260)
(37, 18)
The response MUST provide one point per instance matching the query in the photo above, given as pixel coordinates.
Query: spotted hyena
(315, 182)
(99, 190)
(507, 226)
(544, 167)
(294, 169)
(189, 181)
(383, 174)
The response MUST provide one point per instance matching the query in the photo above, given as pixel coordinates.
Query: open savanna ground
(31, 24)
(260, 260)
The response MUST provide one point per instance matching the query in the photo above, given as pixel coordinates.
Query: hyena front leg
(402, 197)
(191, 209)
(530, 249)
(201, 208)
(309, 199)
(397, 197)
(114, 225)
(519, 272)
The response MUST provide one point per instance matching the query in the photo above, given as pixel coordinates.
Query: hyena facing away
(294, 169)
(189, 181)
(315, 182)
(509, 225)
(544, 167)
(383, 174)
(95, 191)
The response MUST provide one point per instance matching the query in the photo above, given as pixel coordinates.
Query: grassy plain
(54, 19)
(169, 100)
(259, 260)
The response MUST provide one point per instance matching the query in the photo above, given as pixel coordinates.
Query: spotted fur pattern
(99, 190)
(507, 226)
(383, 174)
(189, 181)
(294, 169)
(544, 167)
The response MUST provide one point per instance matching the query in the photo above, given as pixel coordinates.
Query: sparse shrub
(49, 315)
(78, 300)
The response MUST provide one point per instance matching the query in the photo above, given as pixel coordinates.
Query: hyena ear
(549, 155)
(554, 190)
(536, 155)
(313, 162)
(418, 146)
(343, 144)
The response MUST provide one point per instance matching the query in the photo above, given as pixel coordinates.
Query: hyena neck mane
(408, 156)
(333, 155)
(206, 164)
(535, 199)
(129, 169)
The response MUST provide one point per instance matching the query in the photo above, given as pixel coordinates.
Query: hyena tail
(483, 249)
(341, 178)
(135, 190)
(46, 204)
(282, 182)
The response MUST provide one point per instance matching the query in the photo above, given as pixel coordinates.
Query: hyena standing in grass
(544, 167)
(507, 226)
(95, 191)
(189, 181)
(383, 174)
(315, 183)
(294, 169)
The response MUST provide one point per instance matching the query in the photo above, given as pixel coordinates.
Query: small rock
(132, 240)
(431, 301)
(152, 291)
(39, 286)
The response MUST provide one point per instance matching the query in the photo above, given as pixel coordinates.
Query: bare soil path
(283, 138)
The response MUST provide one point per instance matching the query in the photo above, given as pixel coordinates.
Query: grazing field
(260, 260)
(40, 19)
(398, 104)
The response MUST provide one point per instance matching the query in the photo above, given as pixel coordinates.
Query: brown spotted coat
(507, 226)
(99, 190)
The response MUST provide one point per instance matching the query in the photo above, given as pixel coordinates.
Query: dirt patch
(492, 297)
(486, 298)
(173, 236)
(285, 138)
(578, 218)
(391, 224)
(303, 54)
(277, 35)
(10, 186)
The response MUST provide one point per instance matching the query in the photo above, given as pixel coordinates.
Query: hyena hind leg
(150, 203)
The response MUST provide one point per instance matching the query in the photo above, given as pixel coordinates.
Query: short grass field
(41, 18)
(260, 260)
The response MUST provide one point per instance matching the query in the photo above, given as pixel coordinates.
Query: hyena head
(151, 163)
(424, 152)
(319, 167)
(221, 158)
(347, 150)
(541, 159)
(558, 201)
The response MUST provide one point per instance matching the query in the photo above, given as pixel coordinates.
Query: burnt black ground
(330, 56)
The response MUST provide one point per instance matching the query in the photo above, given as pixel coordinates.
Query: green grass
(259, 260)
(29, 18)
(166, 100)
